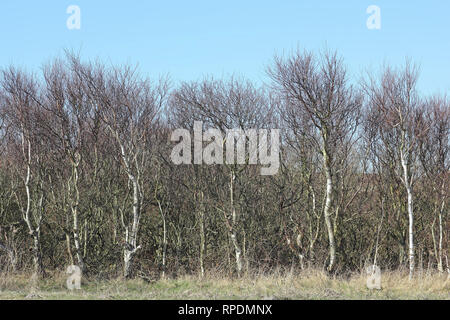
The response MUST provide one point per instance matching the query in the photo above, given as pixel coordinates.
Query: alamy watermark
(235, 141)
(74, 280)
(374, 20)
(74, 20)
(373, 277)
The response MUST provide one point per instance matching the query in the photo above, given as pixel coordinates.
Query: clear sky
(189, 39)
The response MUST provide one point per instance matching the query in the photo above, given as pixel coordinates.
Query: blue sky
(190, 39)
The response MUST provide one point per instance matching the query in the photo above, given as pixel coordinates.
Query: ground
(306, 285)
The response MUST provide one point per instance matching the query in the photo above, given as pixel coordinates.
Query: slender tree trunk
(131, 236)
(407, 182)
(75, 204)
(130, 247)
(233, 233)
(314, 234)
(441, 231)
(33, 231)
(327, 209)
(85, 238)
(301, 257)
(164, 248)
(202, 237)
(411, 232)
(76, 239)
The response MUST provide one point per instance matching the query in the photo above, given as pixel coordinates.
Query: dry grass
(309, 284)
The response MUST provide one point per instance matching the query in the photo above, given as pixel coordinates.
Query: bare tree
(24, 116)
(66, 103)
(395, 113)
(434, 157)
(224, 105)
(87, 174)
(130, 109)
(318, 96)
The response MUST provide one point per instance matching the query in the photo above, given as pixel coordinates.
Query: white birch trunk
(131, 236)
(202, 236)
(441, 234)
(33, 231)
(327, 209)
(233, 234)
(164, 249)
(75, 204)
(407, 183)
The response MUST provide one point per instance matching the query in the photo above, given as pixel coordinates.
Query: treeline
(86, 176)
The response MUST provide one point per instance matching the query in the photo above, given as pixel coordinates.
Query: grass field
(306, 285)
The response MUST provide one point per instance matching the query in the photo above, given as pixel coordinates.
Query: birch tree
(66, 102)
(224, 106)
(24, 115)
(434, 151)
(130, 109)
(395, 111)
(317, 89)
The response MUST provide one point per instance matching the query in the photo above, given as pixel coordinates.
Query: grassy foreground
(306, 285)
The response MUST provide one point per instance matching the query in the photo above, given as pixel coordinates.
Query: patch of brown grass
(279, 284)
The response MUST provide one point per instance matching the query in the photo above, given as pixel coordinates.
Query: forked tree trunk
(130, 244)
(130, 247)
(34, 231)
